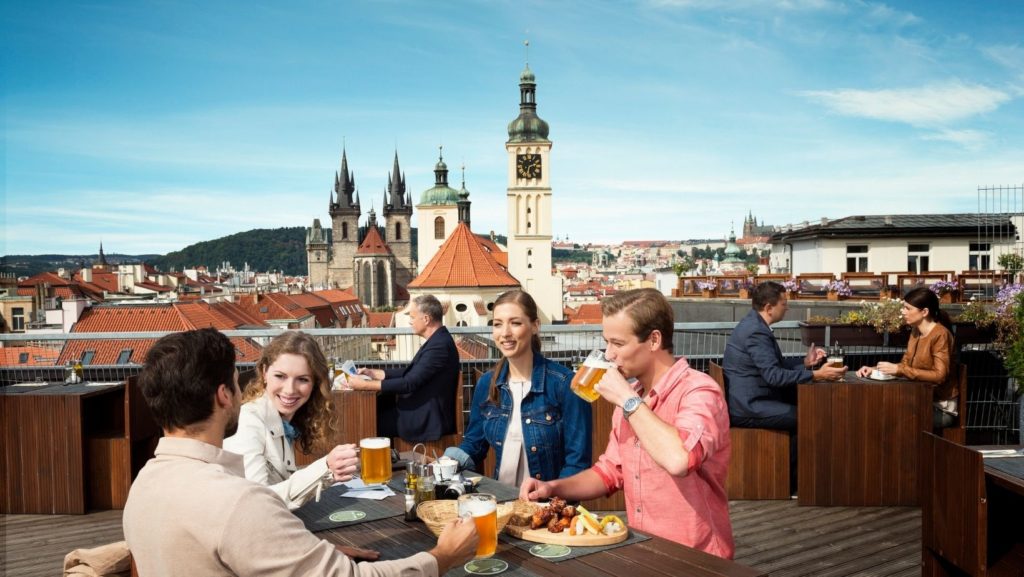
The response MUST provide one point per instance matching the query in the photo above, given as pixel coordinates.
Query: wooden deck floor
(776, 536)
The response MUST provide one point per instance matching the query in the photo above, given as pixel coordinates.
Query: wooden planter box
(834, 296)
(708, 293)
(849, 335)
(970, 333)
(948, 298)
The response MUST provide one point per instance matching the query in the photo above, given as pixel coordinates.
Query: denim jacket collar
(536, 377)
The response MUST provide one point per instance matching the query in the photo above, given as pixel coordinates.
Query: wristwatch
(630, 406)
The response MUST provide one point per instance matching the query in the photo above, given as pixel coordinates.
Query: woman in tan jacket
(929, 354)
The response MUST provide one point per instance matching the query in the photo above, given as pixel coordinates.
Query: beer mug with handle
(593, 368)
(375, 460)
(483, 508)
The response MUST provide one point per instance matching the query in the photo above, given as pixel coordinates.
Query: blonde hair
(314, 419)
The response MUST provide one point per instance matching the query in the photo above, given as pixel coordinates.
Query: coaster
(485, 566)
(345, 516)
(546, 551)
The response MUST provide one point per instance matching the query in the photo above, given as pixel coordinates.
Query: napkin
(357, 489)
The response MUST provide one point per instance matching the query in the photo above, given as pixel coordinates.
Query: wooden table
(971, 512)
(858, 441)
(395, 538)
(71, 448)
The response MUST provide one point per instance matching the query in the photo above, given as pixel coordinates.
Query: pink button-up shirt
(691, 509)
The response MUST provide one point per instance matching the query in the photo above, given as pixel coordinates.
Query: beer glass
(484, 510)
(593, 368)
(375, 460)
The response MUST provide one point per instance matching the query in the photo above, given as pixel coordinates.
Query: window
(344, 231)
(18, 319)
(979, 256)
(439, 228)
(398, 231)
(87, 357)
(124, 357)
(917, 258)
(461, 307)
(22, 358)
(857, 258)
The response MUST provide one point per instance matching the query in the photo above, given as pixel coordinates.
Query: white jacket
(269, 457)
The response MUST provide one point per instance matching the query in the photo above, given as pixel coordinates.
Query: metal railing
(992, 404)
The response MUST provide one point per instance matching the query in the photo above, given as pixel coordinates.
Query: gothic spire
(396, 187)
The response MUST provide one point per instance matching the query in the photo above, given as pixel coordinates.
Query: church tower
(344, 211)
(397, 224)
(437, 214)
(529, 203)
(317, 255)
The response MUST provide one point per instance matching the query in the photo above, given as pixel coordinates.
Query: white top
(514, 467)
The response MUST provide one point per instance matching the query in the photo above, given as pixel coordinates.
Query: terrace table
(396, 538)
(70, 448)
(858, 441)
(971, 510)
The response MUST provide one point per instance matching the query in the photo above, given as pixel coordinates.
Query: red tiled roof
(111, 319)
(273, 306)
(106, 280)
(33, 355)
(154, 287)
(462, 262)
(106, 352)
(309, 300)
(587, 314)
(44, 277)
(373, 243)
(335, 296)
(380, 320)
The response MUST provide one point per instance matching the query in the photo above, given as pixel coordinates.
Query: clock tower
(529, 203)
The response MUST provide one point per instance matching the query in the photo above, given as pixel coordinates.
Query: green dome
(527, 127)
(440, 194)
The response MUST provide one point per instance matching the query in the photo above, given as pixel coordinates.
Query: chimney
(888, 220)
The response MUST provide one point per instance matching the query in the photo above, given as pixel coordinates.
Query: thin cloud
(933, 105)
(972, 139)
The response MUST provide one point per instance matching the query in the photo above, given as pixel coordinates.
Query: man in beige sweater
(191, 511)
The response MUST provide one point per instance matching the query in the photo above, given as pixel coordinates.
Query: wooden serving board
(564, 538)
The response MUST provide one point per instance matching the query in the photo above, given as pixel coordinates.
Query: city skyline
(153, 126)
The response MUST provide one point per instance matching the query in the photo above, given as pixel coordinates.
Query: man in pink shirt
(669, 446)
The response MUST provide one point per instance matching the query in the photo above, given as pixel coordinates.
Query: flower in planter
(884, 316)
(707, 285)
(791, 285)
(944, 287)
(977, 312)
(840, 287)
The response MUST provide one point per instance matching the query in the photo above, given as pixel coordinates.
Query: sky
(152, 125)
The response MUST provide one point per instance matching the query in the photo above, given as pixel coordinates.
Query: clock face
(528, 166)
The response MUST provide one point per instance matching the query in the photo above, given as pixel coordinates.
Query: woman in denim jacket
(536, 424)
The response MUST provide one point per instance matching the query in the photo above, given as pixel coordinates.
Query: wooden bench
(759, 466)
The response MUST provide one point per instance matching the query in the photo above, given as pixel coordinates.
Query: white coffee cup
(444, 469)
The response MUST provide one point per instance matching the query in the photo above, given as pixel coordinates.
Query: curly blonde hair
(315, 419)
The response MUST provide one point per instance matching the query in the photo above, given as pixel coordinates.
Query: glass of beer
(375, 460)
(483, 508)
(593, 368)
(835, 360)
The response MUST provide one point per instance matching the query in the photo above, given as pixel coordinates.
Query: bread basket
(436, 514)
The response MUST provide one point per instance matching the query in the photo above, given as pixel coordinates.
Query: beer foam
(375, 443)
(477, 508)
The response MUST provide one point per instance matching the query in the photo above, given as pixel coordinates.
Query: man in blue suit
(418, 401)
(760, 382)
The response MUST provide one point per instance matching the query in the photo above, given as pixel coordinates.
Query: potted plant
(838, 290)
(874, 323)
(1012, 262)
(976, 323)
(1010, 341)
(745, 286)
(792, 287)
(707, 288)
(946, 290)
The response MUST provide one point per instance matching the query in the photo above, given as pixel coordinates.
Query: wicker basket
(436, 514)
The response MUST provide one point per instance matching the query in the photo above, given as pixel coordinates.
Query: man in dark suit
(418, 401)
(760, 382)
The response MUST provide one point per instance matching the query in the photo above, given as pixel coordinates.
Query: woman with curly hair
(290, 401)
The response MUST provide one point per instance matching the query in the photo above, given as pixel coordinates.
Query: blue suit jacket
(760, 380)
(424, 403)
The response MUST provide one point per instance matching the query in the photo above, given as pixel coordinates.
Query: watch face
(528, 166)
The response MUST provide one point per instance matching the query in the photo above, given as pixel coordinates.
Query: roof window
(87, 357)
(124, 357)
